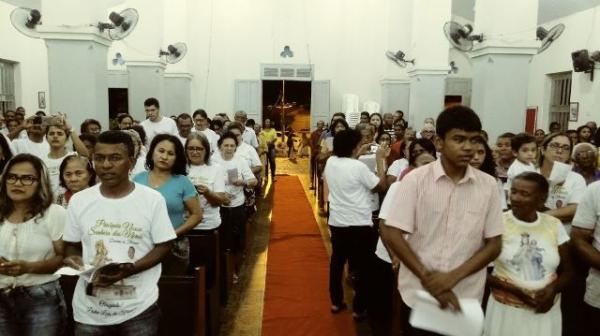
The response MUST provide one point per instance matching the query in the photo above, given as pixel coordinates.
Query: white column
(76, 58)
(501, 63)
(144, 67)
(429, 48)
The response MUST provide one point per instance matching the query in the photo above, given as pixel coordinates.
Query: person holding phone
(31, 250)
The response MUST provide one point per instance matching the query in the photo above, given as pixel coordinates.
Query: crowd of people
(513, 223)
(117, 205)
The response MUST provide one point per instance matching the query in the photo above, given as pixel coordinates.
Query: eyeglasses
(557, 146)
(586, 153)
(26, 180)
(111, 158)
(195, 149)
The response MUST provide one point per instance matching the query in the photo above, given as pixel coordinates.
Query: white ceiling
(547, 10)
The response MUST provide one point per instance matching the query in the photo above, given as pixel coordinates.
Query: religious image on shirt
(529, 260)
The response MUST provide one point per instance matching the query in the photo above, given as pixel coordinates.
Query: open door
(320, 104)
(248, 98)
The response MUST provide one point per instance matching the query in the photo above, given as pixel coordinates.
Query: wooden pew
(68, 283)
(205, 251)
(182, 301)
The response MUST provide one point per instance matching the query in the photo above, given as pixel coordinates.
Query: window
(560, 98)
(7, 86)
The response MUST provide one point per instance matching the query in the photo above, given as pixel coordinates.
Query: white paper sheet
(427, 315)
(70, 271)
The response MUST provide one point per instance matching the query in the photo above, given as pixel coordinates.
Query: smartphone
(373, 149)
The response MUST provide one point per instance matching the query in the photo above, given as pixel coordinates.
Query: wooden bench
(182, 301)
(205, 251)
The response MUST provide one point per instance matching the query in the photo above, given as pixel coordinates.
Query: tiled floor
(243, 314)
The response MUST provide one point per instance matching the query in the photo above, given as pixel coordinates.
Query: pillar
(501, 63)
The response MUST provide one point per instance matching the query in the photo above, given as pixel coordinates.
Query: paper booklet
(428, 315)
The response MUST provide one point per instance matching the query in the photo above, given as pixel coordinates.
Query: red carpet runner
(296, 292)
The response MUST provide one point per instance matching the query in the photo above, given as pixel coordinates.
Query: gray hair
(581, 145)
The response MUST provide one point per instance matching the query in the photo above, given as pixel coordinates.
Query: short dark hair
(364, 113)
(457, 117)
(86, 123)
(88, 166)
(338, 121)
(521, 139)
(179, 166)
(427, 145)
(250, 122)
(345, 141)
(200, 112)
(227, 135)
(151, 101)
(117, 138)
(506, 135)
(216, 122)
(542, 184)
(141, 132)
(340, 114)
(122, 116)
(554, 123)
(183, 116)
(88, 137)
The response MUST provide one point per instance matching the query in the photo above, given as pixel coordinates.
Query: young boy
(525, 150)
(505, 155)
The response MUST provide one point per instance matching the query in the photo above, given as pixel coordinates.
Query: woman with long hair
(31, 250)
(76, 173)
(377, 121)
(5, 152)
(483, 159)
(167, 174)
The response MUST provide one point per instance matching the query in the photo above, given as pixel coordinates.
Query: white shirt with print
(117, 231)
(210, 176)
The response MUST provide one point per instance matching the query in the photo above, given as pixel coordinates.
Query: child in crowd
(525, 149)
(505, 155)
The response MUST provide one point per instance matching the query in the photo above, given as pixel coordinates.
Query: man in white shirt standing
(35, 143)
(184, 127)
(249, 136)
(155, 123)
(124, 228)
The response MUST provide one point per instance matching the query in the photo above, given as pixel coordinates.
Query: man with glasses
(249, 136)
(124, 228)
(184, 126)
(201, 125)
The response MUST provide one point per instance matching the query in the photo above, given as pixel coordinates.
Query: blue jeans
(36, 310)
(145, 324)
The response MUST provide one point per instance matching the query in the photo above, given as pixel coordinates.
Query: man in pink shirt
(446, 223)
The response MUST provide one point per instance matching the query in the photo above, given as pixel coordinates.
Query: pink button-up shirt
(446, 223)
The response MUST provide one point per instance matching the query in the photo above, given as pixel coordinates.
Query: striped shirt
(446, 223)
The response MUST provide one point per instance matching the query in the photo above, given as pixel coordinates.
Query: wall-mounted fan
(582, 62)
(122, 24)
(25, 20)
(398, 58)
(460, 36)
(548, 36)
(175, 52)
(118, 60)
(287, 52)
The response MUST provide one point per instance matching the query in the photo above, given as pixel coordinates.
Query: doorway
(117, 104)
(295, 111)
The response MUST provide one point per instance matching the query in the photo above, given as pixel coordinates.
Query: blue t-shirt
(176, 191)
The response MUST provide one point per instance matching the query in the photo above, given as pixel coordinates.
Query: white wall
(580, 33)
(31, 71)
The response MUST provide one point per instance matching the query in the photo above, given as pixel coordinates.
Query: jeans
(144, 324)
(35, 310)
(270, 162)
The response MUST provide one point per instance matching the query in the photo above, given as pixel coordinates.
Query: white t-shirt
(529, 256)
(212, 177)
(381, 251)
(350, 182)
(236, 168)
(249, 137)
(569, 191)
(516, 168)
(212, 138)
(53, 166)
(39, 149)
(116, 231)
(588, 217)
(248, 154)
(371, 162)
(31, 241)
(164, 125)
(182, 139)
(140, 164)
(397, 167)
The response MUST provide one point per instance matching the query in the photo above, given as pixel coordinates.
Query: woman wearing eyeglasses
(31, 250)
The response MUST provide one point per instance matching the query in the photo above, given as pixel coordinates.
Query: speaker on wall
(582, 61)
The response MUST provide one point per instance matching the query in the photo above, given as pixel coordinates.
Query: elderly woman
(585, 156)
(533, 268)
(76, 173)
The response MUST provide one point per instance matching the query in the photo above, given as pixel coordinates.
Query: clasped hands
(109, 274)
(439, 285)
